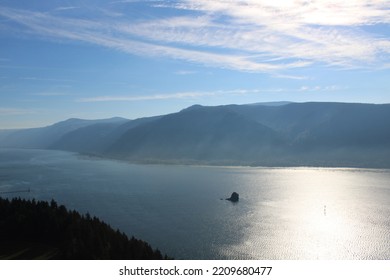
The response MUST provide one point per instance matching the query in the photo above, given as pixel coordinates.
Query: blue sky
(98, 59)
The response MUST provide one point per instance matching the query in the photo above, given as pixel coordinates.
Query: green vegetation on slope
(42, 230)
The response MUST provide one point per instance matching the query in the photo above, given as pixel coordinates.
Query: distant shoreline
(199, 163)
(222, 165)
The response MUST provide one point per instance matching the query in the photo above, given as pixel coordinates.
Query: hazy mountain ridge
(280, 134)
(95, 138)
(45, 137)
(197, 133)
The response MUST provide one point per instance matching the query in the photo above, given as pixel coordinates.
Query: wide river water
(283, 213)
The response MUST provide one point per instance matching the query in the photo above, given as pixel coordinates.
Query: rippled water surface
(283, 213)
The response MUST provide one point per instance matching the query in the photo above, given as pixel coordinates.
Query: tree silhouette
(32, 229)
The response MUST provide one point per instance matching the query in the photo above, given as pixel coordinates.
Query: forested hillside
(42, 230)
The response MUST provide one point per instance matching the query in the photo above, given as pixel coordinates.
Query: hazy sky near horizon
(98, 59)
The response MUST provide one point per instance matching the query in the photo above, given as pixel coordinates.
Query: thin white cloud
(124, 1)
(4, 111)
(322, 88)
(180, 95)
(291, 13)
(49, 94)
(45, 79)
(244, 35)
(66, 8)
(321, 31)
(185, 72)
(291, 77)
(101, 33)
(200, 94)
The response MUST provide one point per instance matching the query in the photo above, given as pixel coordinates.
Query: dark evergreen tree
(38, 229)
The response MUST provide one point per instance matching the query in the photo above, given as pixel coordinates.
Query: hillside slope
(284, 134)
(42, 230)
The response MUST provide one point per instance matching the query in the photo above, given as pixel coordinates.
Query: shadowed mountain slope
(44, 137)
(276, 134)
(95, 138)
(197, 133)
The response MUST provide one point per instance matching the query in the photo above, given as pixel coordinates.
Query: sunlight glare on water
(314, 214)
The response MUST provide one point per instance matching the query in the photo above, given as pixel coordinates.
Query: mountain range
(261, 134)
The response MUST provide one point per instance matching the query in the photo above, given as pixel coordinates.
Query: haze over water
(283, 213)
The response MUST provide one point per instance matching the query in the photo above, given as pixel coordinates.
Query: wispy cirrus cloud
(322, 88)
(67, 8)
(243, 35)
(50, 94)
(45, 79)
(180, 95)
(5, 111)
(109, 34)
(328, 32)
(200, 94)
(185, 72)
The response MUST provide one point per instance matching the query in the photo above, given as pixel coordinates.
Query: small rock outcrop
(234, 197)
